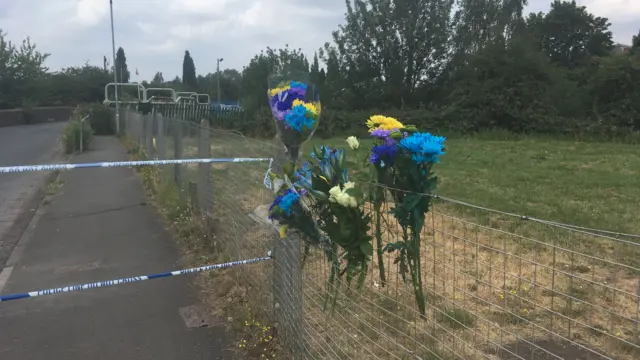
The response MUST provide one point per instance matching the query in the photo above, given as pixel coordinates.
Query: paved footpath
(99, 228)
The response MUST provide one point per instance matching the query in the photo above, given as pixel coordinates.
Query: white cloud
(90, 12)
(155, 33)
(615, 10)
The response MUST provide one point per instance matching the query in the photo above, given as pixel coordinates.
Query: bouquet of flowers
(296, 110)
(403, 160)
(328, 210)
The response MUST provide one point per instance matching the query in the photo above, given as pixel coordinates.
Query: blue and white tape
(128, 280)
(53, 167)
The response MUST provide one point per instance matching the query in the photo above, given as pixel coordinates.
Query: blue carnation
(283, 204)
(297, 119)
(298, 85)
(424, 147)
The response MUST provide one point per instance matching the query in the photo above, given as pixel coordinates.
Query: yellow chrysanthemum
(275, 91)
(383, 122)
(283, 231)
(309, 106)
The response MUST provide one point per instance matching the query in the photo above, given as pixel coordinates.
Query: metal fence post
(161, 149)
(205, 183)
(148, 134)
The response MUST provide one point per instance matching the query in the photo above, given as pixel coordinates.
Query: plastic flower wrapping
(403, 158)
(296, 110)
(321, 203)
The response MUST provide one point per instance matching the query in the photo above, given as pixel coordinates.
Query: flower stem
(380, 251)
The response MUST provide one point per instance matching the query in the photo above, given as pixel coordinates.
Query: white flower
(339, 196)
(353, 142)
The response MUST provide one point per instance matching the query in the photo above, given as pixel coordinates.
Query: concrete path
(22, 145)
(100, 228)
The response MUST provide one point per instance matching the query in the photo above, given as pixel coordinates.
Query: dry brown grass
(491, 294)
(503, 290)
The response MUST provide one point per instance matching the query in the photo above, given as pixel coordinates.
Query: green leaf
(288, 169)
(355, 192)
(319, 194)
(366, 248)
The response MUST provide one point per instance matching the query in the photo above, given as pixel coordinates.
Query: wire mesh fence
(498, 286)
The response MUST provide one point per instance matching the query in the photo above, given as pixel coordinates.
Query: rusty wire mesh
(498, 286)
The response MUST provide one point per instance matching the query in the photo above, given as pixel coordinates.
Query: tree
(120, 67)
(158, 79)
(570, 35)
(635, 44)
(189, 71)
(270, 64)
(20, 70)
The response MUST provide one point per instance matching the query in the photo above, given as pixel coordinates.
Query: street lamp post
(115, 77)
(218, 71)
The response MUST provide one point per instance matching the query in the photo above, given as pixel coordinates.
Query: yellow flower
(383, 122)
(275, 91)
(283, 232)
(309, 106)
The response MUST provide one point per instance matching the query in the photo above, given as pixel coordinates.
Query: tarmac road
(23, 145)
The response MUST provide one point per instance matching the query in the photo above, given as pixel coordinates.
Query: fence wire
(498, 286)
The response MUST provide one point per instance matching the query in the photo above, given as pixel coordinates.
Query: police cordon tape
(54, 167)
(73, 288)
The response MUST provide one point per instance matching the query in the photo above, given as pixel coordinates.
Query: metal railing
(498, 286)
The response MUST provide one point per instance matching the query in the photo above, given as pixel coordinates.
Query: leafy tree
(120, 67)
(270, 63)
(189, 71)
(158, 79)
(388, 49)
(615, 87)
(570, 35)
(635, 43)
(230, 81)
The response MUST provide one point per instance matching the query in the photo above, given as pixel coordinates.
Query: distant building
(621, 48)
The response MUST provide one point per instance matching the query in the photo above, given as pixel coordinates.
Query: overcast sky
(155, 33)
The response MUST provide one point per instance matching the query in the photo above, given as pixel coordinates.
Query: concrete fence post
(160, 143)
(148, 134)
(205, 173)
(287, 279)
(177, 143)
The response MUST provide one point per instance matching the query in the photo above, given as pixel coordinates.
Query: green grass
(587, 184)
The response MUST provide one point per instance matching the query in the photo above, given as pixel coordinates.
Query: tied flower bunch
(321, 203)
(403, 159)
(296, 112)
(339, 206)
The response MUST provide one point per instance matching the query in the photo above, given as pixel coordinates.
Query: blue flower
(282, 204)
(283, 101)
(297, 119)
(303, 176)
(288, 201)
(298, 85)
(424, 147)
(383, 155)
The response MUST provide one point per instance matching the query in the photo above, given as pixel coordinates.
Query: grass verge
(230, 293)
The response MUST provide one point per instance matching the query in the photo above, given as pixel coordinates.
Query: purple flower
(381, 133)
(283, 101)
(383, 155)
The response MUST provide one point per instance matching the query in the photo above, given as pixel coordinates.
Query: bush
(101, 119)
(71, 134)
